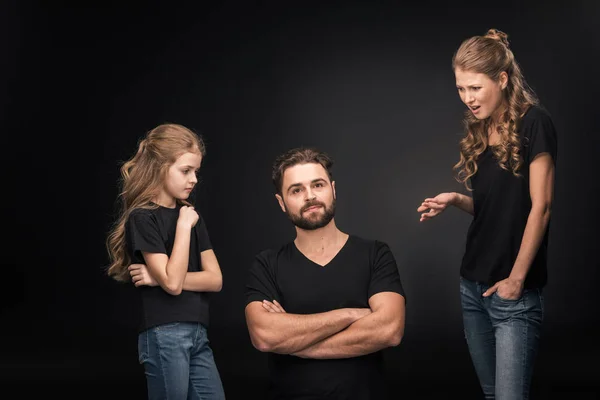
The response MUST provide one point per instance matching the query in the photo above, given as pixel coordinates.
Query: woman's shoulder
(536, 113)
(535, 118)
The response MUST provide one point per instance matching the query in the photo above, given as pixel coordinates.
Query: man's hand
(273, 306)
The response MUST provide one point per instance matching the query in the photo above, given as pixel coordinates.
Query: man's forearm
(365, 336)
(286, 333)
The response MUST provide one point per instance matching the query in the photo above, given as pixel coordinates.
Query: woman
(507, 160)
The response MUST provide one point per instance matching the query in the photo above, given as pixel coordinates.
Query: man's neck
(319, 240)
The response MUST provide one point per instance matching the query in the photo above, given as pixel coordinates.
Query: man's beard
(313, 223)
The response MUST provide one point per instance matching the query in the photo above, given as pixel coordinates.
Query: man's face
(308, 196)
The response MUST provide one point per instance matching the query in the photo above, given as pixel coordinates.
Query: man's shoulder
(362, 241)
(271, 253)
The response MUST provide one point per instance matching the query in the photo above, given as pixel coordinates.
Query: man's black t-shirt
(502, 204)
(153, 231)
(361, 269)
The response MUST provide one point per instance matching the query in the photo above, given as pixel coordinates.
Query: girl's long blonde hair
(142, 178)
(490, 55)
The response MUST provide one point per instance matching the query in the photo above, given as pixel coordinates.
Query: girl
(508, 156)
(158, 227)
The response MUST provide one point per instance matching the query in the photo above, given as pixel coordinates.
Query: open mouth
(474, 108)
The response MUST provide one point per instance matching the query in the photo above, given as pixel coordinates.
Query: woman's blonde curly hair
(490, 55)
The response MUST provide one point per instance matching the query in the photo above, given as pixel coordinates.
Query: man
(325, 305)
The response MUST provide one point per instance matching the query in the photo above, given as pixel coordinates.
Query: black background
(370, 83)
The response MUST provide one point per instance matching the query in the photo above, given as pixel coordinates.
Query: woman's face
(481, 94)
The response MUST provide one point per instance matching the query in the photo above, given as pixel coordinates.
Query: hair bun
(497, 35)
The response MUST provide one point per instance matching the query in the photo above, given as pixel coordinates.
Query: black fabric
(502, 204)
(153, 231)
(361, 269)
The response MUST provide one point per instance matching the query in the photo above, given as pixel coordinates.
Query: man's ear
(333, 188)
(281, 203)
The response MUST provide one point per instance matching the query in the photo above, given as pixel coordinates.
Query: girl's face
(481, 94)
(180, 179)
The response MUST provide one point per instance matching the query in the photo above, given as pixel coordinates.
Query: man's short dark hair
(299, 155)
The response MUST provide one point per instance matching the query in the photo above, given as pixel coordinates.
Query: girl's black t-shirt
(153, 231)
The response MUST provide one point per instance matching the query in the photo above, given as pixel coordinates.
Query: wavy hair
(490, 54)
(142, 178)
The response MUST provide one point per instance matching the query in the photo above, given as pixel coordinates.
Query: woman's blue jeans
(503, 338)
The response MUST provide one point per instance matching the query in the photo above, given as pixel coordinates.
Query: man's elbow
(261, 342)
(262, 346)
(395, 335)
(395, 339)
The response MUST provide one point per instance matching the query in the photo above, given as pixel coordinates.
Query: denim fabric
(503, 338)
(179, 363)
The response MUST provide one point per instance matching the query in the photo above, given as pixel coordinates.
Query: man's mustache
(312, 204)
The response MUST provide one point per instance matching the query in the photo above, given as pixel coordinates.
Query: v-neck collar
(330, 261)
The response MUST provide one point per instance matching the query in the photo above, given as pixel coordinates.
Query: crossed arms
(210, 279)
(341, 333)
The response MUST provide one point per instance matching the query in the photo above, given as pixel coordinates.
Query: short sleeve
(203, 238)
(540, 136)
(384, 276)
(144, 234)
(260, 282)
